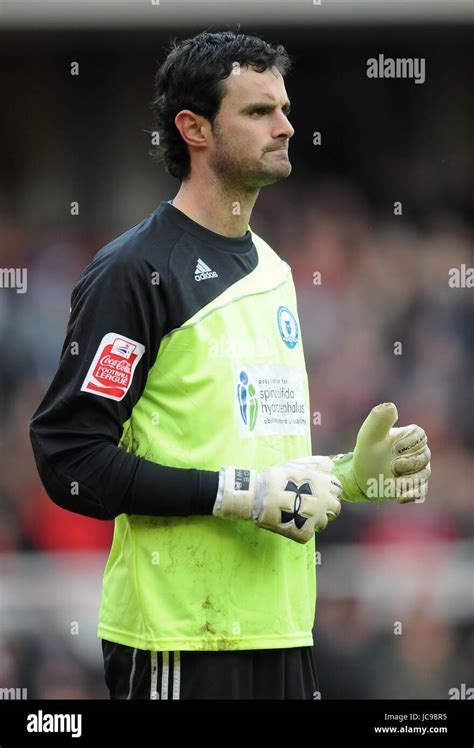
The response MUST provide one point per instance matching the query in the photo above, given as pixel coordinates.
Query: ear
(192, 128)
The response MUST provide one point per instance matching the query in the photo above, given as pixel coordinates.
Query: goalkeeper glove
(295, 499)
(387, 463)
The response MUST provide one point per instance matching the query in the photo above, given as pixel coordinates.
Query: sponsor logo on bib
(271, 399)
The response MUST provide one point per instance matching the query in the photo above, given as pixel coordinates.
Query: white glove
(387, 463)
(296, 499)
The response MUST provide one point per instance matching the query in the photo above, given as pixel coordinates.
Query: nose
(284, 127)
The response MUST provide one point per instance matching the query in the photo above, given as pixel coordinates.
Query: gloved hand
(387, 463)
(296, 499)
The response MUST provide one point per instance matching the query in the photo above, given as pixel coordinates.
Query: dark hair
(191, 77)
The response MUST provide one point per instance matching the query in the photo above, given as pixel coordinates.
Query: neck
(215, 206)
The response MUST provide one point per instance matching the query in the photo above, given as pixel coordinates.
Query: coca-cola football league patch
(111, 372)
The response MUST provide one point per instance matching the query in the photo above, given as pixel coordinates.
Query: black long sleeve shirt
(128, 290)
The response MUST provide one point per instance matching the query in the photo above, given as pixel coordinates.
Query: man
(180, 408)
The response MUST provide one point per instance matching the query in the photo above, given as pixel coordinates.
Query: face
(249, 144)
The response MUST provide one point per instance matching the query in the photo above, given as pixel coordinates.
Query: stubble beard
(241, 173)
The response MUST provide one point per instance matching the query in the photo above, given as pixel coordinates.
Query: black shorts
(227, 674)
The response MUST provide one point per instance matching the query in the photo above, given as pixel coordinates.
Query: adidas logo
(203, 271)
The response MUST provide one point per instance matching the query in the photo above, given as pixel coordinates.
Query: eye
(263, 110)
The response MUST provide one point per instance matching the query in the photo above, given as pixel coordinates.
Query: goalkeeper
(199, 448)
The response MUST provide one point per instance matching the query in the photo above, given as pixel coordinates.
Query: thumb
(377, 425)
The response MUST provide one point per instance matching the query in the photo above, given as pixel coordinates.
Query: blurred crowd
(380, 322)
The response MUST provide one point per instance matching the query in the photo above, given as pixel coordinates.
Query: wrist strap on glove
(240, 488)
(343, 469)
